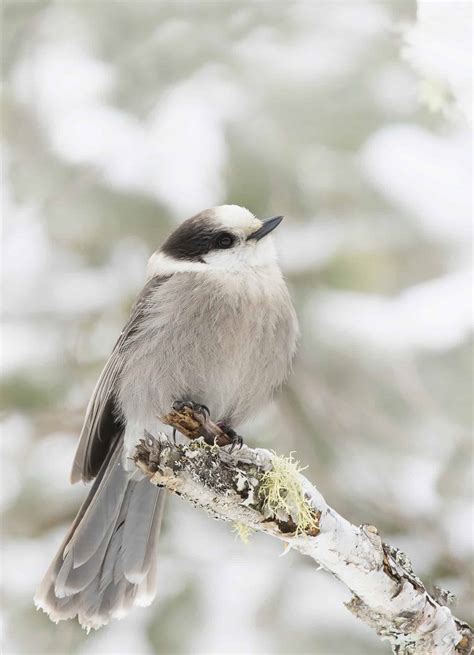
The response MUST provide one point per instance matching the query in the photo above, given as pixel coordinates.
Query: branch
(257, 490)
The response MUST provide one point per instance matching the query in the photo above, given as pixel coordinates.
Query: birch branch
(256, 490)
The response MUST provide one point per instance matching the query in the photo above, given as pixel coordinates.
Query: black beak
(268, 225)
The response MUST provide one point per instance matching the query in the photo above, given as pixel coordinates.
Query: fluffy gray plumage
(214, 324)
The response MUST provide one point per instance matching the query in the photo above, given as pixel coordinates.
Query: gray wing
(103, 425)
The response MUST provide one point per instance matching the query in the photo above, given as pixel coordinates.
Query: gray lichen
(273, 490)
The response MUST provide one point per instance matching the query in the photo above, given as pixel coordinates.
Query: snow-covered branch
(257, 490)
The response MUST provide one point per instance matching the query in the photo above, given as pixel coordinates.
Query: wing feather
(102, 421)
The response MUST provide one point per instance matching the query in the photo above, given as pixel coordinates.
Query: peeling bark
(387, 595)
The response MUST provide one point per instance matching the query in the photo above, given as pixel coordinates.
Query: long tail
(107, 562)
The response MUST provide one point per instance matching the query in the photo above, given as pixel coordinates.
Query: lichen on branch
(269, 487)
(281, 494)
(258, 490)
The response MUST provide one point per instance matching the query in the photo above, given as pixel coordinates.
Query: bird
(214, 327)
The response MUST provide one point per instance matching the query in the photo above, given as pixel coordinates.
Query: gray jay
(214, 326)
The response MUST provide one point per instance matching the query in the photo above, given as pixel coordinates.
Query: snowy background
(353, 120)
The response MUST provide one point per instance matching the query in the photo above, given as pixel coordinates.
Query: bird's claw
(202, 426)
(236, 441)
(197, 408)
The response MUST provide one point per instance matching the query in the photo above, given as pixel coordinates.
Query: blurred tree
(123, 118)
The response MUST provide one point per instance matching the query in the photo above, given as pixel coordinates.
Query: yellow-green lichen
(280, 492)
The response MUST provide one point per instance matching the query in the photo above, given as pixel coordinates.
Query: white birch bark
(386, 594)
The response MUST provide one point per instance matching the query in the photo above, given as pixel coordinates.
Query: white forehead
(238, 218)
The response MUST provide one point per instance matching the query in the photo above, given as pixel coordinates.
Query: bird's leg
(234, 438)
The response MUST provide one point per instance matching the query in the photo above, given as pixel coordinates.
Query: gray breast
(221, 340)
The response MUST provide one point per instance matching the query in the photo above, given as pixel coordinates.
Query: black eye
(224, 240)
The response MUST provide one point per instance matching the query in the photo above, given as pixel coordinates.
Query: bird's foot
(196, 408)
(192, 420)
(235, 439)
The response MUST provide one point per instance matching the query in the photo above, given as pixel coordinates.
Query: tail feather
(111, 572)
(118, 599)
(101, 512)
(107, 562)
(146, 590)
(72, 579)
(138, 533)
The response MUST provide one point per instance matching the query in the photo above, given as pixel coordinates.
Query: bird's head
(226, 238)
